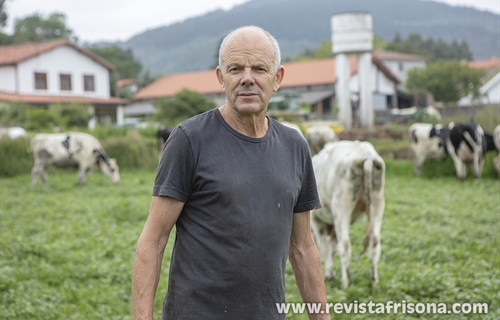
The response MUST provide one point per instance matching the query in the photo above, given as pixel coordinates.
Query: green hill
(299, 24)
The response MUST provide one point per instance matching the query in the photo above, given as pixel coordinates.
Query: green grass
(66, 251)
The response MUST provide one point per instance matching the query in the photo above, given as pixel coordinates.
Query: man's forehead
(251, 38)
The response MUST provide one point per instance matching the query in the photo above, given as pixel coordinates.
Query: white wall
(490, 93)
(381, 86)
(67, 60)
(8, 78)
(402, 75)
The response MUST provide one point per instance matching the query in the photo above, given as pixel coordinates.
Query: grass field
(66, 252)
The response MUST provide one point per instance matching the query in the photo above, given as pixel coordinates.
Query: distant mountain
(300, 24)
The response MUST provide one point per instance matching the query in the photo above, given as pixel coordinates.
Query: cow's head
(108, 166)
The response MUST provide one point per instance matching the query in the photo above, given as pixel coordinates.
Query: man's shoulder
(199, 122)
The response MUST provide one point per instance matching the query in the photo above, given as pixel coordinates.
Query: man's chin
(249, 108)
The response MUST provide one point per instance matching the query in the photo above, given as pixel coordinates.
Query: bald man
(239, 187)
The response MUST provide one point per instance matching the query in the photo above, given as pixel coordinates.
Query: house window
(40, 81)
(88, 83)
(65, 80)
(401, 66)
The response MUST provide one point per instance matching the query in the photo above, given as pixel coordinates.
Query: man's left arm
(306, 264)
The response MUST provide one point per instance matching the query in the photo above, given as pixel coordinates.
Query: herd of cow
(465, 143)
(350, 175)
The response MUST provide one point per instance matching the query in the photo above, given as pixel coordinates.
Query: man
(238, 186)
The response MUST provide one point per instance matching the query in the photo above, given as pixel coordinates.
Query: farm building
(490, 83)
(58, 71)
(312, 81)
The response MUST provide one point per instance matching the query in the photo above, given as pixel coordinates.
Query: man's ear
(218, 72)
(279, 77)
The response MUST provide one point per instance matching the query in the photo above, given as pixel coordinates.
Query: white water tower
(352, 34)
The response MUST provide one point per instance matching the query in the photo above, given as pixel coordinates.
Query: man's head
(249, 69)
(276, 47)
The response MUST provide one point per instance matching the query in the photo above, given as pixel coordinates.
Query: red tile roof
(302, 73)
(34, 99)
(486, 65)
(125, 82)
(14, 54)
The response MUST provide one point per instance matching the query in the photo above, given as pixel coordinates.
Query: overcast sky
(94, 20)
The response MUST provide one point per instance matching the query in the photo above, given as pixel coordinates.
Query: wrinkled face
(110, 170)
(247, 74)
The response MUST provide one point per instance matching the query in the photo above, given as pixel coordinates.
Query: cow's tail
(368, 183)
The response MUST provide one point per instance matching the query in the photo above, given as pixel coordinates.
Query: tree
(324, 50)
(434, 49)
(127, 67)
(38, 28)
(3, 14)
(185, 104)
(447, 80)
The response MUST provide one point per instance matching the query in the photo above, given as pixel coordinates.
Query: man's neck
(251, 125)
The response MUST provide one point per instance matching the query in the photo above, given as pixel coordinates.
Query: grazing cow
(467, 144)
(71, 149)
(496, 141)
(427, 141)
(350, 176)
(318, 135)
(162, 136)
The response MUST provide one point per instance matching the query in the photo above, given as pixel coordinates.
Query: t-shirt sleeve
(308, 197)
(175, 171)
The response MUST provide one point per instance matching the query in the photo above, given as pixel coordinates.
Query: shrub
(14, 155)
(73, 114)
(132, 151)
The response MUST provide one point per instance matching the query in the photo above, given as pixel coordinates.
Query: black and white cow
(350, 176)
(70, 149)
(427, 141)
(496, 141)
(317, 135)
(467, 144)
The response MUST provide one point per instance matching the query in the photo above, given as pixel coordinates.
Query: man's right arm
(163, 214)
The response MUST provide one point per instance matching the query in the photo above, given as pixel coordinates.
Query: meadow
(66, 251)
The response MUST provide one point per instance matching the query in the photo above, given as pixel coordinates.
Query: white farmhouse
(59, 71)
(490, 83)
(400, 63)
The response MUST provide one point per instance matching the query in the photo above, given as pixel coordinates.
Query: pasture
(66, 251)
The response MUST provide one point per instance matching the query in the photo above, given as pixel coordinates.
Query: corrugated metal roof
(391, 55)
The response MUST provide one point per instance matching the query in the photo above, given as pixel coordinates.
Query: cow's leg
(342, 221)
(38, 170)
(460, 167)
(83, 174)
(478, 163)
(418, 164)
(496, 163)
(325, 242)
(374, 245)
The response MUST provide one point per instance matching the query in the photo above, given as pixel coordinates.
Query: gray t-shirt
(233, 234)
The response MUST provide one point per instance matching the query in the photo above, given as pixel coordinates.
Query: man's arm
(163, 214)
(306, 264)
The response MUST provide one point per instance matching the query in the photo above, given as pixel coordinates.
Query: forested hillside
(300, 24)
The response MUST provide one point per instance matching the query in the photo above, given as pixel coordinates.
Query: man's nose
(247, 78)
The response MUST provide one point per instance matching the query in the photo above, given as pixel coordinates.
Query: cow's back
(339, 168)
(64, 148)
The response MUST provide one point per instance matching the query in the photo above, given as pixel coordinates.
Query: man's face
(247, 75)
